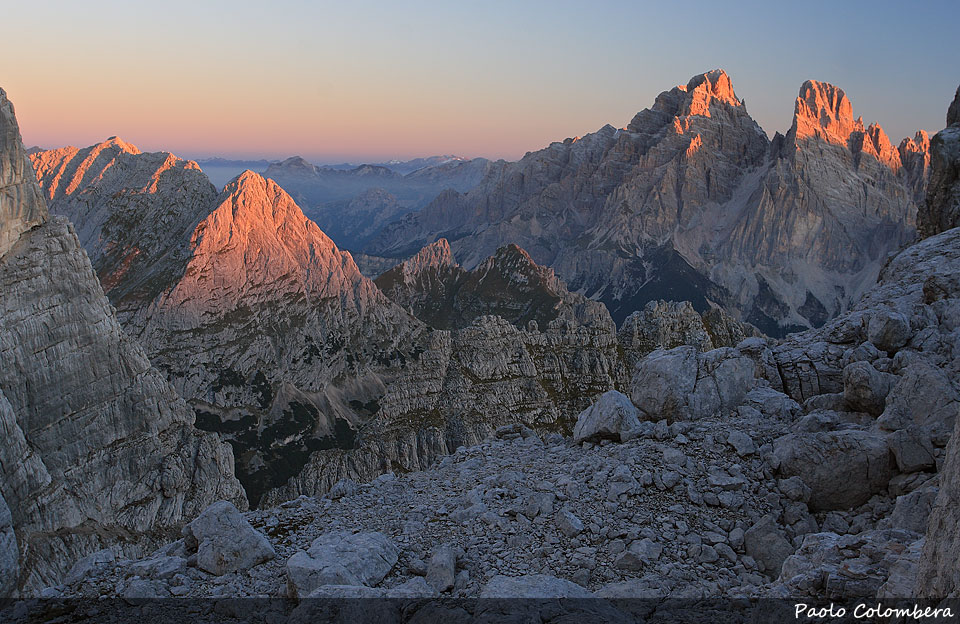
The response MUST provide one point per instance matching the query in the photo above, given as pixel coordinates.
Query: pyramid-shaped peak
(255, 202)
(119, 144)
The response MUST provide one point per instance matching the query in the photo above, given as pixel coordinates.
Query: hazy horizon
(382, 81)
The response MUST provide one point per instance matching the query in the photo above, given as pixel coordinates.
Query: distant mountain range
(692, 201)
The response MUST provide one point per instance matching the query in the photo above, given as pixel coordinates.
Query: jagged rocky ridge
(691, 201)
(508, 284)
(98, 450)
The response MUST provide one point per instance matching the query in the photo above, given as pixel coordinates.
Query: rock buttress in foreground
(97, 446)
(941, 211)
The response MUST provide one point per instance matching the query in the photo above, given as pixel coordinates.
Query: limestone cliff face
(21, 206)
(942, 209)
(690, 201)
(939, 576)
(268, 329)
(97, 445)
(669, 324)
(467, 383)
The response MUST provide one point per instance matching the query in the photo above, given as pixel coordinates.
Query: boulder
(682, 384)
(861, 458)
(442, 569)
(569, 524)
(768, 545)
(922, 396)
(224, 541)
(912, 450)
(888, 330)
(742, 443)
(865, 389)
(612, 416)
(912, 511)
(341, 558)
(93, 564)
(158, 567)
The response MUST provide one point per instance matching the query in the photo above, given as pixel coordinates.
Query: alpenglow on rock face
(691, 201)
(96, 444)
(247, 305)
(278, 342)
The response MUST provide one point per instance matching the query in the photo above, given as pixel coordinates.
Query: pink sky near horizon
(378, 81)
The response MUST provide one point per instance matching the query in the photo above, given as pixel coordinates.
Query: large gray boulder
(865, 389)
(923, 396)
(224, 541)
(682, 384)
(768, 545)
(843, 469)
(341, 558)
(888, 330)
(613, 416)
(9, 554)
(912, 511)
(442, 569)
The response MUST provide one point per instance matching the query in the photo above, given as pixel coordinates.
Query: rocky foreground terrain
(723, 473)
(708, 463)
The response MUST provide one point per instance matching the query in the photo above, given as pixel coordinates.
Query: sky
(368, 81)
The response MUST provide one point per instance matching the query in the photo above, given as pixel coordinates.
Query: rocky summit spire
(714, 84)
(21, 204)
(824, 111)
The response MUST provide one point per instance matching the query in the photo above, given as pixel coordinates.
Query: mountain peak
(295, 164)
(716, 84)
(119, 144)
(255, 201)
(436, 254)
(823, 110)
